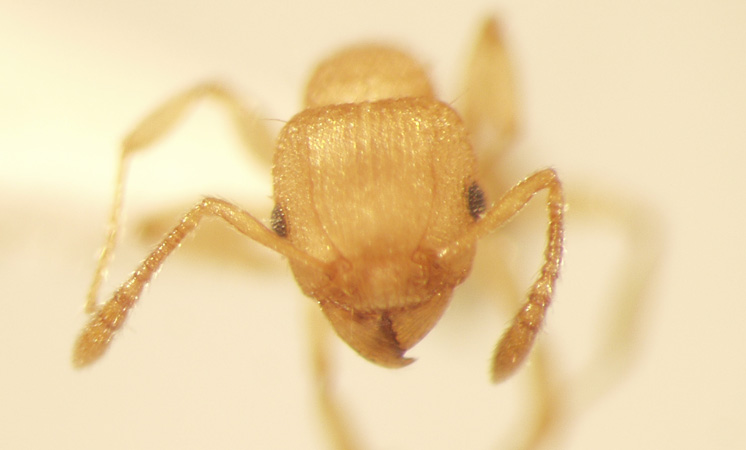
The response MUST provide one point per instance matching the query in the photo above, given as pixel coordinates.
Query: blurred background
(643, 99)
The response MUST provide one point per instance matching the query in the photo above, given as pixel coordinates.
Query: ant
(378, 202)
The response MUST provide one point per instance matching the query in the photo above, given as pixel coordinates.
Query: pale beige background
(647, 98)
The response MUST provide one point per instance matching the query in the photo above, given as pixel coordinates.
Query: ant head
(375, 191)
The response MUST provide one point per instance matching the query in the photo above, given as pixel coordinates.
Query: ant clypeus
(378, 204)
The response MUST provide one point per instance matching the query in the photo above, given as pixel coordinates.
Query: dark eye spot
(278, 221)
(475, 197)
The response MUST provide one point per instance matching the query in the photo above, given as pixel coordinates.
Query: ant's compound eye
(278, 221)
(475, 197)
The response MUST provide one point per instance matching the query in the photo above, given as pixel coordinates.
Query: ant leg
(629, 295)
(152, 128)
(335, 420)
(489, 102)
(95, 338)
(519, 338)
